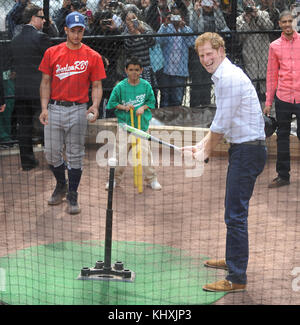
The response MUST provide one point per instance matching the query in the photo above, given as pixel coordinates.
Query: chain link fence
(167, 31)
(43, 237)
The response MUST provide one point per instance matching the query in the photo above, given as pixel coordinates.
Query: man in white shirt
(240, 121)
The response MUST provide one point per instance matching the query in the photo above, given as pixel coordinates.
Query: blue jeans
(284, 113)
(246, 162)
(172, 96)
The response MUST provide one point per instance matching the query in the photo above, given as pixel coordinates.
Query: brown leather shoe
(278, 182)
(224, 285)
(216, 264)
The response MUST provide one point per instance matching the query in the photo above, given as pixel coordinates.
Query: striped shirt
(238, 115)
(139, 47)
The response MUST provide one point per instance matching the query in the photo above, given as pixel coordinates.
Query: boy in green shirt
(137, 94)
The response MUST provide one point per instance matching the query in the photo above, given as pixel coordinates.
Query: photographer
(176, 53)
(156, 13)
(139, 46)
(270, 7)
(87, 12)
(255, 46)
(206, 16)
(14, 20)
(114, 7)
(110, 50)
(103, 24)
(68, 6)
(60, 16)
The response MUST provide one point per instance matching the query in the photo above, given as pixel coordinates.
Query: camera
(135, 23)
(106, 22)
(175, 18)
(89, 14)
(248, 9)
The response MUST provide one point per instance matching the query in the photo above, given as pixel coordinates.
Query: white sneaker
(107, 185)
(155, 185)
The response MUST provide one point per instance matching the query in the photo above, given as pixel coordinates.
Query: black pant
(26, 108)
(200, 93)
(284, 113)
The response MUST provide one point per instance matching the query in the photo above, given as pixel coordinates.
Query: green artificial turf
(47, 275)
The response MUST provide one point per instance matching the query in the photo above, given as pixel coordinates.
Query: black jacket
(28, 49)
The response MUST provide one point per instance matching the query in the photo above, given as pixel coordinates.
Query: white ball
(90, 116)
(112, 162)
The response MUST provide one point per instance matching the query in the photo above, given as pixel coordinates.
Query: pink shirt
(283, 74)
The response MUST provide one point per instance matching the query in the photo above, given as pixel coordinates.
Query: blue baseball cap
(75, 19)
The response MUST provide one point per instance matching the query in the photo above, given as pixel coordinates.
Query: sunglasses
(42, 17)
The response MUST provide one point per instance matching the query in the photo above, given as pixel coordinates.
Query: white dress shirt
(239, 115)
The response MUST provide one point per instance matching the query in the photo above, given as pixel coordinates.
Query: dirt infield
(186, 214)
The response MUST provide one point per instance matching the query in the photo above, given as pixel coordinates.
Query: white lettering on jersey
(137, 102)
(70, 70)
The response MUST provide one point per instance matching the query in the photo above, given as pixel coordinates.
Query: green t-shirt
(138, 95)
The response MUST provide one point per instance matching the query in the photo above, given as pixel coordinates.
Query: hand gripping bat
(146, 136)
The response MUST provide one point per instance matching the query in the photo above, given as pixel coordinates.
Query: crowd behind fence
(162, 34)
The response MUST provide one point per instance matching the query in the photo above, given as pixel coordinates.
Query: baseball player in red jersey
(68, 71)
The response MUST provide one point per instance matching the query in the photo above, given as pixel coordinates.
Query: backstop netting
(155, 241)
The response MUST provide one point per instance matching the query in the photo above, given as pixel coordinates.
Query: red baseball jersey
(72, 71)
